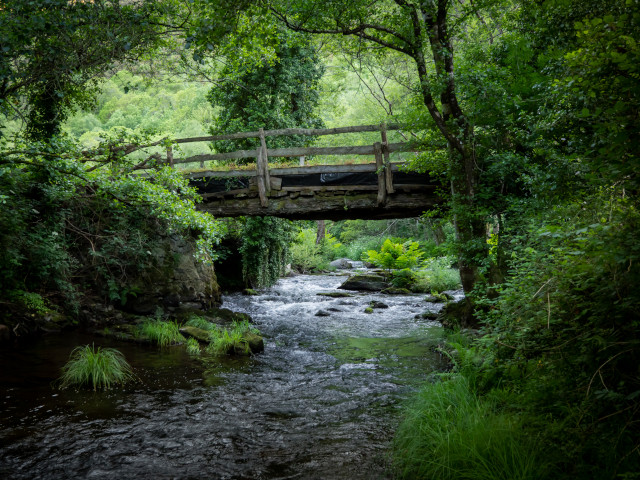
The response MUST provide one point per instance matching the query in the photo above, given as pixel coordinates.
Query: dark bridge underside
(354, 194)
(326, 206)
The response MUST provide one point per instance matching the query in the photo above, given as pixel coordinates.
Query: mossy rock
(458, 315)
(126, 332)
(256, 342)
(250, 291)
(368, 310)
(427, 316)
(439, 298)
(335, 294)
(372, 283)
(396, 291)
(199, 334)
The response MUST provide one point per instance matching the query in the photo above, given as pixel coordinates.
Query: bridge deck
(330, 192)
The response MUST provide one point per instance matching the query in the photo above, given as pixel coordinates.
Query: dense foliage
(265, 247)
(281, 93)
(528, 112)
(71, 229)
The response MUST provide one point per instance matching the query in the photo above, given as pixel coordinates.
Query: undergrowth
(451, 433)
(99, 368)
(231, 340)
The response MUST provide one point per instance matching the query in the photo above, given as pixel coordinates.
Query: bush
(450, 433)
(99, 368)
(436, 276)
(395, 255)
(357, 248)
(162, 333)
(305, 254)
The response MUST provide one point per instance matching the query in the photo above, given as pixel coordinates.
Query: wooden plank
(265, 160)
(382, 187)
(318, 132)
(296, 152)
(331, 188)
(314, 169)
(388, 174)
(283, 171)
(350, 150)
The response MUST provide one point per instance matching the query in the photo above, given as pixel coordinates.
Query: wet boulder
(439, 298)
(427, 316)
(334, 294)
(371, 283)
(255, 342)
(342, 263)
(377, 304)
(396, 291)
(322, 313)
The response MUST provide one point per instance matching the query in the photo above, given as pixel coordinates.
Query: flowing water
(321, 402)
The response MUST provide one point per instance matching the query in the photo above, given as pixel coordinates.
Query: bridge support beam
(326, 205)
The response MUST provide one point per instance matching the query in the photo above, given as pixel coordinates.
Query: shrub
(305, 254)
(99, 368)
(404, 278)
(436, 276)
(162, 333)
(395, 255)
(357, 248)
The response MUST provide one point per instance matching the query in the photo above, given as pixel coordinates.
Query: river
(321, 402)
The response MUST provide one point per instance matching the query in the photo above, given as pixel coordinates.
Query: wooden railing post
(170, 156)
(265, 161)
(382, 187)
(262, 191)
(388, 174)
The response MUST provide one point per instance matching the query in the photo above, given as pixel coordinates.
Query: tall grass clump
(193, 347)
(449, 432)
(162, 333)
(200, 322)
(436, 276)
(98, 367)
(232, 340)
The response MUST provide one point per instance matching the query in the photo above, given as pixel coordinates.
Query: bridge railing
(381, 150)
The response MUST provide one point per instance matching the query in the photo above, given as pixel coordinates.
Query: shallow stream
(321, 402)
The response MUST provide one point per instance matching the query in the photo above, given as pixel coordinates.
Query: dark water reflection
(320, 403)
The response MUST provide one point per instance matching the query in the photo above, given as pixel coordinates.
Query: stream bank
(322, 401)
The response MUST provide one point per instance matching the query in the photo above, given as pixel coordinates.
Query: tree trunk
(320, 233)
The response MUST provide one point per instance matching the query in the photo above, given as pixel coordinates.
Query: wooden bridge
(330, 192)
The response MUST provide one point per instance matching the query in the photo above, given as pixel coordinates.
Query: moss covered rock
(371, 283)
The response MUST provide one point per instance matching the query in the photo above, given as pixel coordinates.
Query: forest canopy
(527, 111)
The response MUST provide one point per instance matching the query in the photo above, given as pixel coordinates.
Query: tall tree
(421, 30)
(281, 93)
(52, 52)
